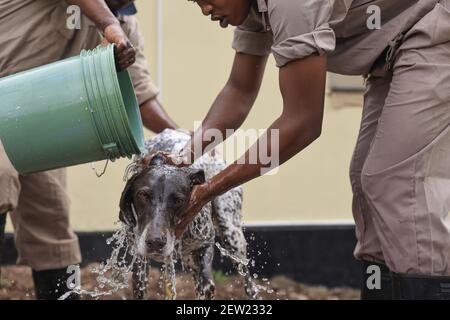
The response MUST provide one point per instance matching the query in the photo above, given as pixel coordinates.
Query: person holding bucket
(34, 33)
(400, 172)
(154, 116)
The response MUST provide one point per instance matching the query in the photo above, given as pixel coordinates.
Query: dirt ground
(16, 283)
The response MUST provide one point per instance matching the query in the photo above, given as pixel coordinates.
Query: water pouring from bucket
(70, 112)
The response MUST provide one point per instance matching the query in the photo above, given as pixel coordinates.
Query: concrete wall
(197, 58)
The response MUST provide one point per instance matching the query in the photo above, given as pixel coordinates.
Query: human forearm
(229, 111)
(155, 118)
(293, 138)
(97, 11)
(298, 126)
(234, 102)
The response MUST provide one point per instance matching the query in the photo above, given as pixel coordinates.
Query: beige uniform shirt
(35, 32)
(295, 29)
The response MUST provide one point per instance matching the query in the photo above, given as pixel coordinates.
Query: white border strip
(289, 223)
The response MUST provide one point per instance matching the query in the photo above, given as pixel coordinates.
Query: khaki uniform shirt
(295, 29)
(35, 32)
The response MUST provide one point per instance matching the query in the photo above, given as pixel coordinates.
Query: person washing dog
(400, 172)
(38, 203)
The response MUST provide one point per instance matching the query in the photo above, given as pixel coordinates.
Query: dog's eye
(144, 195)
(177, 201)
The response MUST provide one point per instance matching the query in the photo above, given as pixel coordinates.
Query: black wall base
(312, 254)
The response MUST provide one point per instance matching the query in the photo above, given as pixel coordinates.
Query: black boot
(369, 288)
(408, 287)
(2, 238)
(52, 284)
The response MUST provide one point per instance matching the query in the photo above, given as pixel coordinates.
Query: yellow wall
(197, 58)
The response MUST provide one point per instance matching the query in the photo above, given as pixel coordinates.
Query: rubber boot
(2, 239)
(374, 288)
(52, 284)
(407, 287)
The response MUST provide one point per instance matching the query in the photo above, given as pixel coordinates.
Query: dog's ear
(158, 160)
(126, 214)
(197, 176)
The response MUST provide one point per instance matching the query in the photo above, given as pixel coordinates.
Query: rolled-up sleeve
(300, 29)
(251, 38)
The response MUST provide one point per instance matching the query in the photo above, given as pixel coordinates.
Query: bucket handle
(99, 175)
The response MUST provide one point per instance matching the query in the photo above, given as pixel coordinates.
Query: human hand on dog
(169, 159)
(175, 160)
(200, 196)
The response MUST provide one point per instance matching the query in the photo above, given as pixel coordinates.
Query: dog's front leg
(201, 266)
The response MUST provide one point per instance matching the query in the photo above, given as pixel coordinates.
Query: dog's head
(152, 202)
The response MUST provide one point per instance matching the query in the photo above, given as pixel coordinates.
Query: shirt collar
(129, 10)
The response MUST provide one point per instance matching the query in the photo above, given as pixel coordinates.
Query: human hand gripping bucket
(70, 112)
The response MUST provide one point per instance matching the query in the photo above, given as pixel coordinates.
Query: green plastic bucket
(70, 112)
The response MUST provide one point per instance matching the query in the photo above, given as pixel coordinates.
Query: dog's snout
(156, 244)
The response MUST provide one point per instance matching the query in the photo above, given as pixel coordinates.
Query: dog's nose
(156, 244)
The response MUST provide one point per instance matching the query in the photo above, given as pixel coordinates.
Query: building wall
(197, 58)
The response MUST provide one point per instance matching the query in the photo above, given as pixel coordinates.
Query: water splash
(113, 274)
(170, 280)
(242, 263)
(136, 166)
(253, 288)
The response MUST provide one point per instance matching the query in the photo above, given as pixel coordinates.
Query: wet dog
(152, 201)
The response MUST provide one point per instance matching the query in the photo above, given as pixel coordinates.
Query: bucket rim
(138, 145)
(118, 135)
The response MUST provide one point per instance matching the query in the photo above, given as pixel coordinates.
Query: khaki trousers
(400, 172)
(39, 208)
(33, 34)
